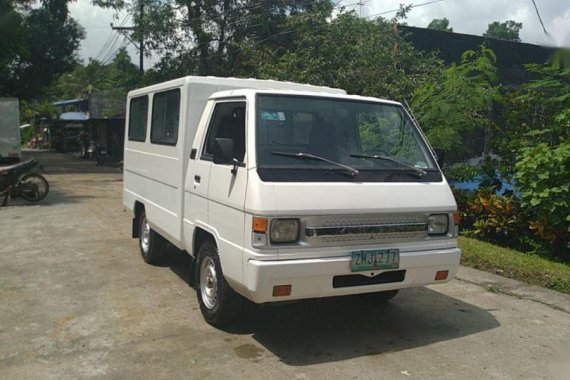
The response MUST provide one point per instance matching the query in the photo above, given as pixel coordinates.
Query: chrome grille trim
(365, 230)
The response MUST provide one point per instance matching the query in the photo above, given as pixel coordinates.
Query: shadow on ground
(54, 197)
(334, 329)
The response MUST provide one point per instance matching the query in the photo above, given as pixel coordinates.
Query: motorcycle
(99, 152)
(17, 180)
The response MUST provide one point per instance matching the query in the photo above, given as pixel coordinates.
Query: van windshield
(378, 140)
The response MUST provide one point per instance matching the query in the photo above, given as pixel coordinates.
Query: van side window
(138, 112)
(228, 122)
(165, 117)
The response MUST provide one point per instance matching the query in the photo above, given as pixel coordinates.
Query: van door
(226, 191)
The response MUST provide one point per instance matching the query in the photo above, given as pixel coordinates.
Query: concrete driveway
(77, 301)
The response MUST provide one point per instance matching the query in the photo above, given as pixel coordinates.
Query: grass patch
(532, 269)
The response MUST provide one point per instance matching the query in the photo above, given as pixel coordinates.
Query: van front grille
(380, 229)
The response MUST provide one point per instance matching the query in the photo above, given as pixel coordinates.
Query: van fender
(231, 255)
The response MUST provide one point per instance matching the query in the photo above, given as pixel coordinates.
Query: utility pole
(130, 29)
(361, 7)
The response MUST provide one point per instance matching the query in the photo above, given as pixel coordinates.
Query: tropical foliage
(455, 107)
(37, 44)
(508, 30)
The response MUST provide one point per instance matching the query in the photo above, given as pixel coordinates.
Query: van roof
(234, 82)
(344, 96)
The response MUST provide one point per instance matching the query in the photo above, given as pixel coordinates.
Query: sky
(465, 16)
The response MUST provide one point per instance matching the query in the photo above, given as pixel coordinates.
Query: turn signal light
(259, 224)
(456, 218)
(281, 290)
(441, 275)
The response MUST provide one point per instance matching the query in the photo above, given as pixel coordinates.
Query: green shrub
(543, 181)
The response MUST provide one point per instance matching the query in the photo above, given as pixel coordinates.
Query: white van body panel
(9, 129)
(311, 198)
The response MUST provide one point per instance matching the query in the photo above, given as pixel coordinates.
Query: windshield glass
(354, 133)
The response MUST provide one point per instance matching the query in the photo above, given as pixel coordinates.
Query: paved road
(77, 301)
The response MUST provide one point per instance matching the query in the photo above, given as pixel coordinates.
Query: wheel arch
(200, 236)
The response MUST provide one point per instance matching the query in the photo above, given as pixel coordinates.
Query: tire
(33, 187)
(151, 244)
(219, 303)
(381, 297)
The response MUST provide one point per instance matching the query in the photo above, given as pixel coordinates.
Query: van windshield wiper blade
(419, 172)
(307, 156)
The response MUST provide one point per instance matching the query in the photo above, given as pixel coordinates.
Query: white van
(283, 191)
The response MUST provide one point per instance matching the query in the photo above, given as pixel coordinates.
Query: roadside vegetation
(520, 134)
(529, 268)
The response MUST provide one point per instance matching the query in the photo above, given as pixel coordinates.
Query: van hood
(314, 198)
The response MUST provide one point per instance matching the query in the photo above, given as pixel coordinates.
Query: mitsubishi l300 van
(282, 191)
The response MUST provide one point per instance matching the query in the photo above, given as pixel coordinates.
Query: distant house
(101, 115)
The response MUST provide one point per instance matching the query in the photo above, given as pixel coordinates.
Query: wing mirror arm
(223, 154)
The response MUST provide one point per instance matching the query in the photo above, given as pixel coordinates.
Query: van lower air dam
(283, 191)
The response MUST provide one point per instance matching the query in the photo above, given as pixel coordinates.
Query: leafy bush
(543, 180)
(495, 218)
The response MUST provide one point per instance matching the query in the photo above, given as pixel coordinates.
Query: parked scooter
(101, 155)
(16, 180)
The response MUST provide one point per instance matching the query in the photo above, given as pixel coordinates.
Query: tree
(534, 142)
(508, 30)
(40, 44)
(12, 38)
(364, 57)
(202, 36)
(121, 74)
(440, 24)
(455, 108)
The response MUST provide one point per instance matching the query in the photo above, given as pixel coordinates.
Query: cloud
(474, 16)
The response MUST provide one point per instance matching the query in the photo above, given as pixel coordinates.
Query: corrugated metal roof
(68, 102)
(78, 116)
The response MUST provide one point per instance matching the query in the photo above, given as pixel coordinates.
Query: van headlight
(438, 224)
(284, 230)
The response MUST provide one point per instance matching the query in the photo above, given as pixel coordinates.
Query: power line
(540, 19)
(370, 16)
(411, 7)
(111, 39)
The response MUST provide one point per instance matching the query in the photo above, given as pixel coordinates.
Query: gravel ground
(77, 301)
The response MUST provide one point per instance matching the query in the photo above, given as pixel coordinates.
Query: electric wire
(540, 19)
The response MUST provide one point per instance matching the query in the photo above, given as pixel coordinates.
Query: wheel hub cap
(145, 237)
(208, 283)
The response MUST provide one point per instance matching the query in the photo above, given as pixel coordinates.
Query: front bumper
(313, 278)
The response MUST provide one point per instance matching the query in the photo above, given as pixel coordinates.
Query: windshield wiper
(307, 156)
(417, 171)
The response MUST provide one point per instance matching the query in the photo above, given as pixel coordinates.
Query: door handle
(197, 178)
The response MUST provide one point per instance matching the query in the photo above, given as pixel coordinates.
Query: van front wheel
(151, 244)
(218, 301)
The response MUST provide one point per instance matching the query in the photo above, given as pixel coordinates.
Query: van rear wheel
(151, 244)
(219, 303)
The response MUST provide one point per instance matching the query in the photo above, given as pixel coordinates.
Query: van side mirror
(223, 151)
(439, 156)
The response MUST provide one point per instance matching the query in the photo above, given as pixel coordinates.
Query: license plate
(375, 259)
